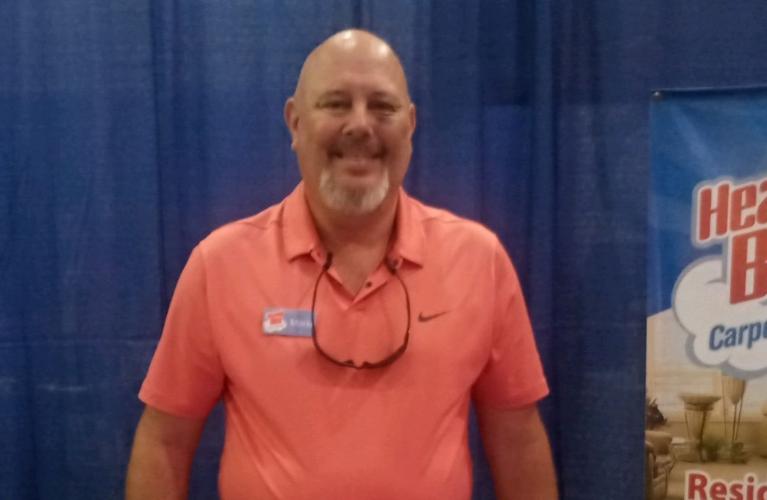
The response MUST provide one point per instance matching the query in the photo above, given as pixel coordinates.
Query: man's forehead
(339, 82)
(348, 54)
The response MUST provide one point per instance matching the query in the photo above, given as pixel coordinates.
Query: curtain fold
(131, 130)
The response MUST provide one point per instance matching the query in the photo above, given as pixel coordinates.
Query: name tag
(288, 322)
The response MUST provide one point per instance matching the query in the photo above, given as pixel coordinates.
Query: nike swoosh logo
(423, 317)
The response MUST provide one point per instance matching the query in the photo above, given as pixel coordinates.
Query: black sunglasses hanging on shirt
(391, 358)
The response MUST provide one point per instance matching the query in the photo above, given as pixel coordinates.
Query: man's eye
(333, 104)
(385, 107)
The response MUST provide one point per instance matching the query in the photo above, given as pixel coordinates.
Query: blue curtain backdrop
(129, 130)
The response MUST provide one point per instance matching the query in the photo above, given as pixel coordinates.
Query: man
(348, 327)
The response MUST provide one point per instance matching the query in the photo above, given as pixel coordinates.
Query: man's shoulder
(442, 223)
(253, 229)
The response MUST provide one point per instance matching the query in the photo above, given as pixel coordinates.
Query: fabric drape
(130, 130)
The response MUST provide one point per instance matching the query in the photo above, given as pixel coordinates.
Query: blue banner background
(697, 135)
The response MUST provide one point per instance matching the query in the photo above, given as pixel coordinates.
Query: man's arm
(163, 449)
(519, 454)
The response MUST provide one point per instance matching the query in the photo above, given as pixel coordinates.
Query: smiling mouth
(357, 164)
(357, 150)
(356, 155)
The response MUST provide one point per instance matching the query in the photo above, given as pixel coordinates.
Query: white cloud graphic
(731, 336)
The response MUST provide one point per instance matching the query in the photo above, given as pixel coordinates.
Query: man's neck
(358, 242)
(371, 230)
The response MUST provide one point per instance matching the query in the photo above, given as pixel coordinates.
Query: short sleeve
(185, 377)
(513, 376)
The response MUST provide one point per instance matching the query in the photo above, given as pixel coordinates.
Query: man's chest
(264, 329)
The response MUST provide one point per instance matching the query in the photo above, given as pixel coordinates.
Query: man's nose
(359, 121)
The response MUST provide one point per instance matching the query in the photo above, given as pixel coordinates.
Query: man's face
(351, 123)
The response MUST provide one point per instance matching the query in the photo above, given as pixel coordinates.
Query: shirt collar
(299, 234)
(300, 237)
(409, 236)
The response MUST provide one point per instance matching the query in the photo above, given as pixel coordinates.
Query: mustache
(356, 146)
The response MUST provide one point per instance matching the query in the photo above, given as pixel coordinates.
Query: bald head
(363, 47)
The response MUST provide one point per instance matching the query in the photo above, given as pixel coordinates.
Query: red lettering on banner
(699, 486)
(761, 212)
(718, 490)
(738, 213)
(708, 209)
(696, 486)
(748, 266)
(737, 491)
(743, 198)
(724, 208)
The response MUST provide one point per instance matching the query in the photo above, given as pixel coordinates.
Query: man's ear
(412, 118)
(291, 120)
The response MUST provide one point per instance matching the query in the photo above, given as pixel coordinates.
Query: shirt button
(394, 264)
(369, 284)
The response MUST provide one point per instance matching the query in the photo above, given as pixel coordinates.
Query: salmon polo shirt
(297, 425)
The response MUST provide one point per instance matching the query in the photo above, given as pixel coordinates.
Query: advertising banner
(706, 406)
